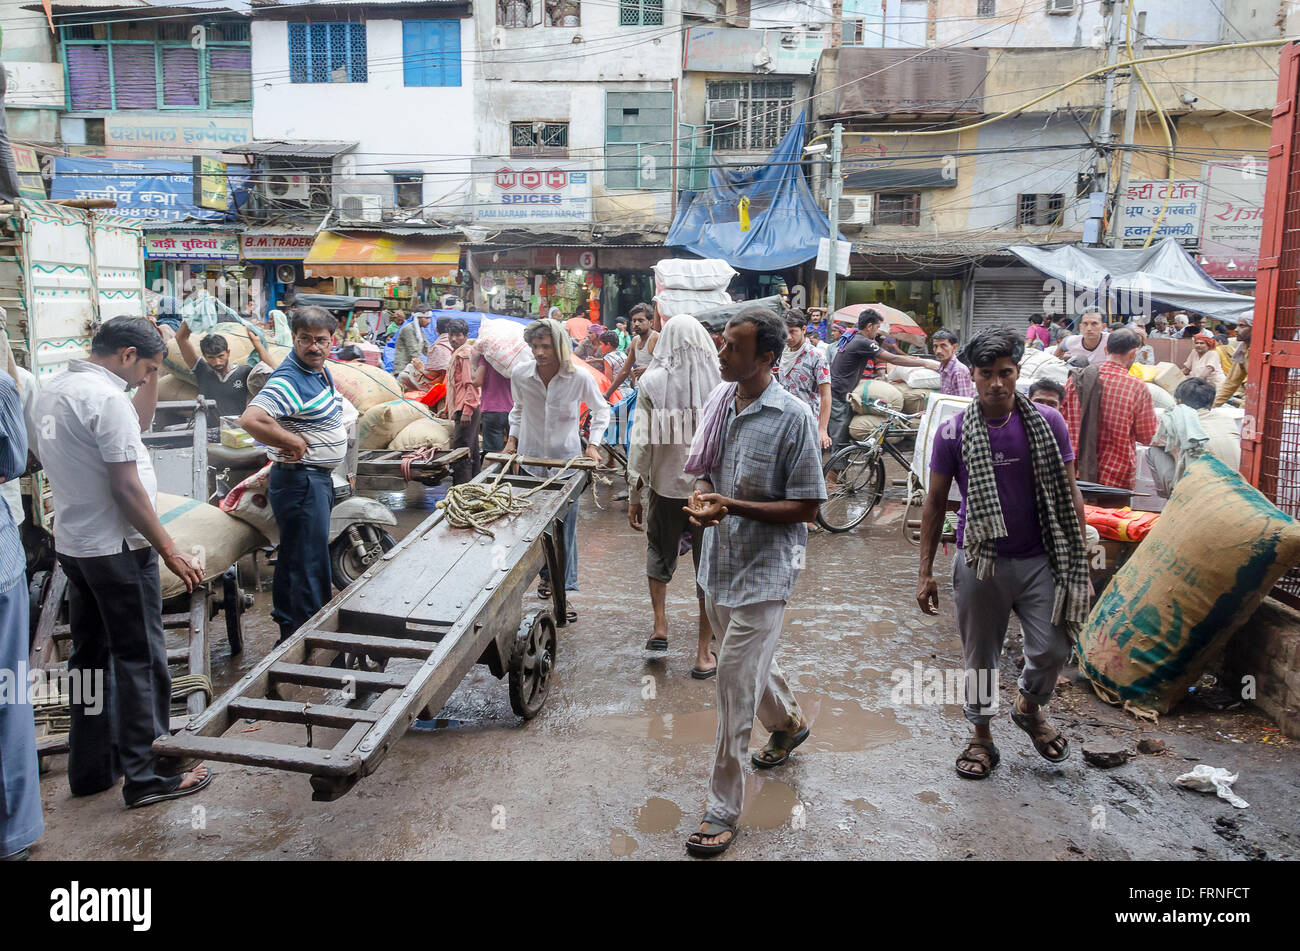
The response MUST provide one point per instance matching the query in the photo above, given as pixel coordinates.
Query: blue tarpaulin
(785, 223)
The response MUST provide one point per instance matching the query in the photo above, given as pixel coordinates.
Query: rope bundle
(478, 504)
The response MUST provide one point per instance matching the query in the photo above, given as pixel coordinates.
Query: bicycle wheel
(860, 485)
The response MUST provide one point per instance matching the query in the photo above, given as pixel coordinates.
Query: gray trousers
(749, 684)
(1023, 585)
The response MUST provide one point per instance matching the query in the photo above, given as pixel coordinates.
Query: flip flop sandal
(1029, 724)
(780, 740)
(704, 674)
(657, 644)
(174, 793)
(990, 751)
(543, 591)
(713, 827)
(570, 615)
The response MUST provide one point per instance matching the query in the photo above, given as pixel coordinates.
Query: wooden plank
(300, 759)
(42, 653)
(505, 458)
(217, 718)
(200, 665)
(315, 714)
(310, 675)
(369, 644)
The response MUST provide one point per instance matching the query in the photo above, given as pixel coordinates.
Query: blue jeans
(570, 550)
(301, 500)
(20, 784)
(494, 426)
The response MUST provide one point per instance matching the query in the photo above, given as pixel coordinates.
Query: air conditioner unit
(1061, 7)
(361, 208)
(856, 209)
(288, 187)
(722, 110)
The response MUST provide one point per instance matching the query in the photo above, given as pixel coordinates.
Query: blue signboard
(146, 188)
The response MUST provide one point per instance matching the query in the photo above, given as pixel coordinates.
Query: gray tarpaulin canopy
(1163, 277)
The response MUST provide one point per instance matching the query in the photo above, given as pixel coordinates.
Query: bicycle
(861, 467)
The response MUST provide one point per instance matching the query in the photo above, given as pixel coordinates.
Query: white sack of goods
(674, 302)
(1041, 365)
(1160, 397)
(1168, 376)
(680, 274)
(205, 533)
(921, 378)
(236, 339)
(363, 385)
(250, 503)
(424, 433)
(383, 421)
(501, 344)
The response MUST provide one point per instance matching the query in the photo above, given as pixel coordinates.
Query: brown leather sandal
(982, 758)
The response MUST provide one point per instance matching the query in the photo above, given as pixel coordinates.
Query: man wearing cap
(1236, 378)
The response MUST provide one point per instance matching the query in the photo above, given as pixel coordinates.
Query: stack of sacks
(172, 388)
(362, 385)
(916, 378)
(692, 287)
(899, 398)
(206, 533)
(236, 339)
(382, 423)
(424, 434)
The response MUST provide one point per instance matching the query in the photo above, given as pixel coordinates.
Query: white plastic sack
(921, 378)
(1160, 397)
(680, 274)
(501, 344)
(1213, 779)
(691, 302)
(250, 503)
(1041, 365)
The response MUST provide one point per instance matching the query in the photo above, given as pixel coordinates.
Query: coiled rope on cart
(478, 504)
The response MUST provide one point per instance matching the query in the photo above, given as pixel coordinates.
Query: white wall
(395, 126)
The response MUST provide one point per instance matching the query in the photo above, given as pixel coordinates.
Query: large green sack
(1216, 551)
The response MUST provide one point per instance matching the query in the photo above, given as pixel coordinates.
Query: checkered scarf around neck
(1052, 499)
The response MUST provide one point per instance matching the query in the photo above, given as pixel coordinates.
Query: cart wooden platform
(397, 643)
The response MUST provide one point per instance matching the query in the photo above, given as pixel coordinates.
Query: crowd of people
(725, 461)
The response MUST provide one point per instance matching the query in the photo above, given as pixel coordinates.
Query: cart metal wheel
(531, 663)
(861, 484)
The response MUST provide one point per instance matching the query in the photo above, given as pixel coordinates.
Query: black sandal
(713, 827)
(987, 759)
(780, 740)
(1031, 725)
(172, 792)
(657, 644)
(543, 590)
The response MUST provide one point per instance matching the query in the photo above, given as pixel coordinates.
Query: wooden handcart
(398, 642)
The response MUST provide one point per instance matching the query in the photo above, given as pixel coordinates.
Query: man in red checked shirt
(1109, 411)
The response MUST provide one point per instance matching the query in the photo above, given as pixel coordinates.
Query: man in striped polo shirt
(298, 416)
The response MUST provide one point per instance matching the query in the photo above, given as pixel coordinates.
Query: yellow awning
(370, 254)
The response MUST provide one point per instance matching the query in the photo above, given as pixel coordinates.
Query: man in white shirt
(108, 539)
(548, 392)
(1090, 343)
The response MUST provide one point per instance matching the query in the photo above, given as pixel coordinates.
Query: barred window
(327, 53)
(1041, 209)
(539, 138)
(898, 208)
(765, 111)
(987, 8)
(641, 13)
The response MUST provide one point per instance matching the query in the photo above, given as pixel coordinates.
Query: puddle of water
(842, 726)
(769, 804)
(621, 844)
(658, 816)
(700, 726)
(440, 723)
(932, 798)
(861, 805)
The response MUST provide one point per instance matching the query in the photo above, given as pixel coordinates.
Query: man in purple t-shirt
(495, 405)
(1020, 545)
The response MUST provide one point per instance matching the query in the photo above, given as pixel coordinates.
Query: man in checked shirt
(762, 484)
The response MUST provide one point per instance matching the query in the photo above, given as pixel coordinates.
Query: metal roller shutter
(1004, 296)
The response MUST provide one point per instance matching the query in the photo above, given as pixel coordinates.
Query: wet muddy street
(616, 763)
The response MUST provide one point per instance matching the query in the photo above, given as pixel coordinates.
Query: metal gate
(1270, 445)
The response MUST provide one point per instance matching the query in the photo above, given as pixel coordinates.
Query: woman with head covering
(672, 394)
(1203, 362)
(280, 334)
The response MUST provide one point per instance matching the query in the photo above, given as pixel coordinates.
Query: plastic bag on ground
(1213, 779)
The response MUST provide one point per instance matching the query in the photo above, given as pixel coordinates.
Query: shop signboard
(1182, 201)
(28, 166)
(209, 183)
(275, 247)
(191, 246)
(1233, 222)
(531, 191)
(126, 135)
(142, 189)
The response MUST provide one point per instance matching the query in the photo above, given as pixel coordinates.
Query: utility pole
(1105, 138)
(833, 188)
(1130, 122)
